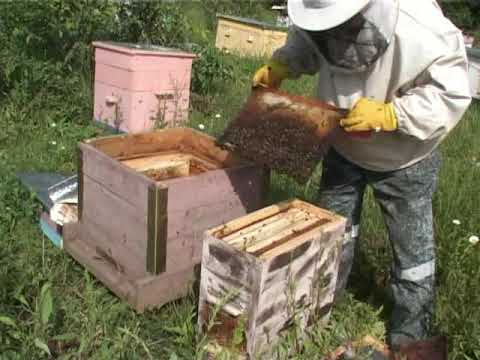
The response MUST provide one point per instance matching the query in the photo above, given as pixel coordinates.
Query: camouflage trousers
(405, 198)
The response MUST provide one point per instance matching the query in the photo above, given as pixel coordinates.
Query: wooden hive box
(145, 201)
(268, 270)
(141, 87)
(248, 37)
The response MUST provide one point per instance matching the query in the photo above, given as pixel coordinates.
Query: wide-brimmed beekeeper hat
(318, 15)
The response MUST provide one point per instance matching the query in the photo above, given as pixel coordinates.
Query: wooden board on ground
(286, 274)
(145, 201)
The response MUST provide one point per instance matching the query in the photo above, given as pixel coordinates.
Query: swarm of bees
(289, 134)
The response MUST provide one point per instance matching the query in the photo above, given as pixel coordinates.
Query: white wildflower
(218, 116)
(473, 239)
(53, 125)
(63, 147)
(201, 127)
(456, 222)
(53, 142)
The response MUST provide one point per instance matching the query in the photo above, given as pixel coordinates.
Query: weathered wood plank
(207, 188)
(105, 208)
(109, 250)
(322, 213)
(265, 228)
(131, 231)
(228, 276)
(180, 139)
(118, 178)
(176, 162)
(156, 291)
(157, 226)
(250, 219)
(143, 293)
(85, 254)
(293, 283)
(80, 182)
(191, 223)
(272, 232)
(286, 233)
(131, 144)
(207, 146)
(334, 227)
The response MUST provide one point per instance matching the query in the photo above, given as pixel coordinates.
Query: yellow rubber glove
(271, 75)
(369, 114)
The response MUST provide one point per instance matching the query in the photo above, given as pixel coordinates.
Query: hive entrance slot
(168, 165)
(274, 234)
(224, 327)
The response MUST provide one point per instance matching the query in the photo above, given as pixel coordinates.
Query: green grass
(46, 298)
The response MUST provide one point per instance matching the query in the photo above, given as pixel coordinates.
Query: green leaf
(22, 299)
(173, 357)
(42, 346)
(7, 321)
(46, 303)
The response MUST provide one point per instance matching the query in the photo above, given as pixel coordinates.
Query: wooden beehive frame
(287, 133)
(138, 232)
(294, 243)
(167, 165)
(274, 230)
(125, 152)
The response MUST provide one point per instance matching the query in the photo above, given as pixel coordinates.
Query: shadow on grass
(368, 284)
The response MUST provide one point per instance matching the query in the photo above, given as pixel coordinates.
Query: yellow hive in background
(247, 37)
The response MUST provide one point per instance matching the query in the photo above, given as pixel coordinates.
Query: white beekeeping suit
(400, 67)
(422, 71)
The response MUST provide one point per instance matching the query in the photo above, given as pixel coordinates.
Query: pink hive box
(141, 87)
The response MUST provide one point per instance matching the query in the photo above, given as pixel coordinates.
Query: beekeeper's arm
(429, 107)
(438, 100)
(295, 58)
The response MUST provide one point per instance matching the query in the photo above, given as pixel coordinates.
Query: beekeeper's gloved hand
(271, 75)
(368, 115)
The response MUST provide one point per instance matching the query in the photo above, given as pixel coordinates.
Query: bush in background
(48, 41)
(465, 14)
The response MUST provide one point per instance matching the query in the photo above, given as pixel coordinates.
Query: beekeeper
(401, 67)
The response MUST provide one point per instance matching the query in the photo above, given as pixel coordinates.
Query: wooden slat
(286, 235)
(123, 260)
(163, 166)
(245, 183)
(161, 161)
(261, 231)
(85, 254)
(124, 224)
(289, 276)
(206, 146)
(321, 213)
(118, 178)
(190, 224)
(285, 247)
(157, 229)
(178, 139)
(80, 182)
(142, 293)
(128, 230)
(288, 295)
(131, 144)
(155, 291)
(250, 219)
(227, 276)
